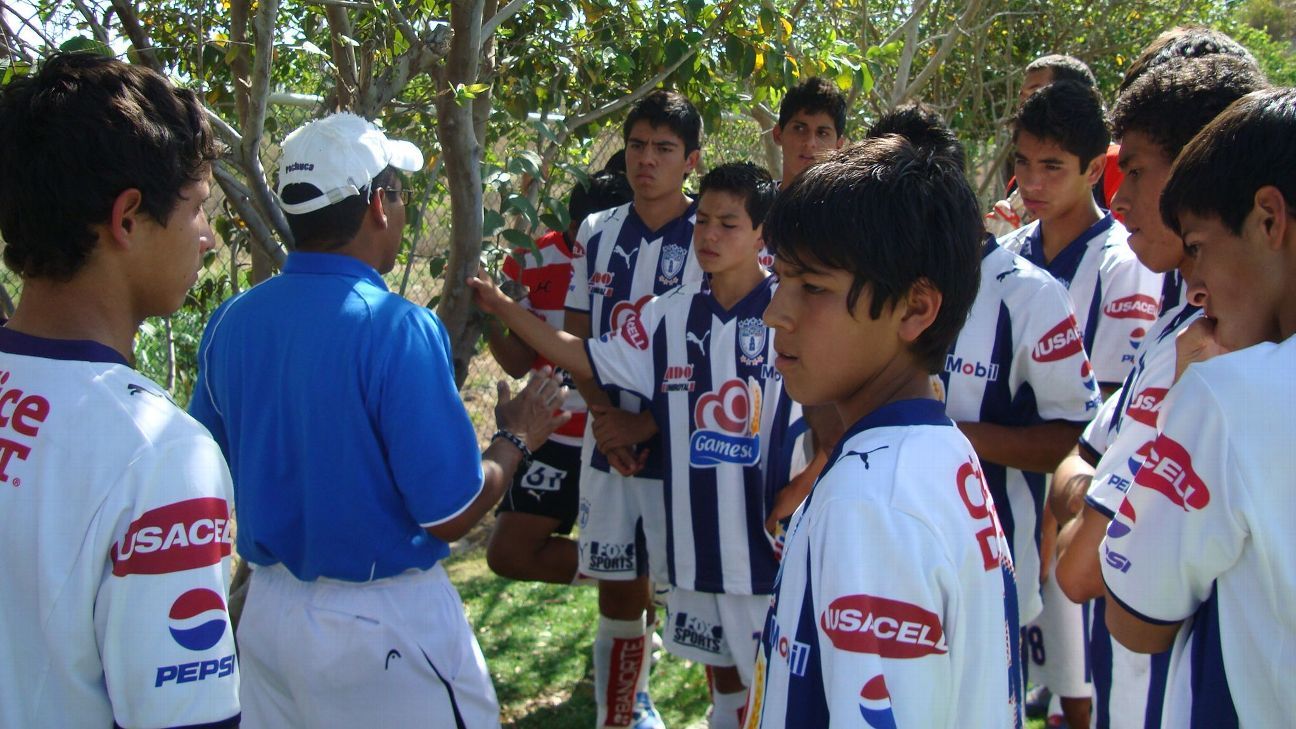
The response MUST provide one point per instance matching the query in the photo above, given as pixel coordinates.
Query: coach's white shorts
(394, 652)
(715, 629)
(1056, 646)
(622, 523)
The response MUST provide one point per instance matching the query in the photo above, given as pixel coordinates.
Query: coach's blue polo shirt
(334, 401)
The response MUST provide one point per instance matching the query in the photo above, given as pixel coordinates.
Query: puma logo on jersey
(863, 455)
(701, 342)
(625, 255)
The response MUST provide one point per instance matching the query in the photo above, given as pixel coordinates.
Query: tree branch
(344, 58)
(135, 32)
(241, 198)
(508, 11)
(231, 138)
(946, 47)
(96, 28)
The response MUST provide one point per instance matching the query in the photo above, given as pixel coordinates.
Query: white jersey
(115, 531)
(895, 602)
(1205, 534)
(618, 264)
(709, 376)
(1115, 297)
(1019, 361)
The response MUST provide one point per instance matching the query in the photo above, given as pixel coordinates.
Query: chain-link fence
(166, 348)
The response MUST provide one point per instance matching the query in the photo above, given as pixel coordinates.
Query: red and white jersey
(1019, 361)
(1116, 298)
(115, 531)
(895, 603)
(546, 274)
(1205, 536)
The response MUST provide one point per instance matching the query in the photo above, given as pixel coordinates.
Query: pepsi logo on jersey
(1134, 306)
(1119, 527)
(1168, 470)
(883, 627)
(1145, 406)
(875, 704)
(197, 622)
(181, 536)
(21, 415)
(1060, 342)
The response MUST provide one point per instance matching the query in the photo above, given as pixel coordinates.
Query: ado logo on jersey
(728, 425)
(1168, 469)
(1060, 342)
(197, 622)
(1145, 405)
(883, 627)
(875, 704)
(173, 538)
(1135, 306)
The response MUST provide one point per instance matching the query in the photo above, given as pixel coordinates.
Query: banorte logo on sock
(727, 422)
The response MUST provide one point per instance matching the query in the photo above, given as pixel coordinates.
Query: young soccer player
(624, 257)
(540, 506)
(1154, 118)
(114, 505)
(1204, 537)
(701, 357)
(812, 120)
(896, 599)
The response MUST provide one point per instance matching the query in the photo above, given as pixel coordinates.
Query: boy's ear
(760, 236)
(125, 216)
(777, 134)
(1094, 171)
(921, 305)
(691, 161)
(841, 141)
(1274, 216)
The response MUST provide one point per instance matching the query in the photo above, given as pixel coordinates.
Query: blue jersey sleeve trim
(1099, 508)
(1088, 452)
(230, 723)
(1136, 613)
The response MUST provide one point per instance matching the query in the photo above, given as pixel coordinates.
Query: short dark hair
(1185, 41)
(748, 181)
(77, 133)
(1068, 114)
(1173, 101)
(1251, 145)
(1064, 68)
(605, 190)
(893, 215)
(332, 226)
(667, 109)
(812, 96)
(922, 125)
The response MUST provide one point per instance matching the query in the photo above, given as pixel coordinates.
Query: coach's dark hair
(922, 125)
(78, 132)
(893, 215)
(667, 109)
(1172, 102)
(605, 190)
(1069, 114)
(752, 183)
(812, 96)
(1251, 145)
(1064, 68)
(331, 227)
(1189, 41)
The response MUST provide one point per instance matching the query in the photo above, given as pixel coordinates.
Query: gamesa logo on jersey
(883, 627)
(173, 538)
(1145, 405)
(751, 340)
(197, 619)
(1060, 342)
(672, 262)
(875, 704)
(1135, 306)
(728, 425)
(1168, 469)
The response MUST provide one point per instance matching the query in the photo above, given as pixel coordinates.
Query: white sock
(727, 709)
(650, 632)
(619, 653)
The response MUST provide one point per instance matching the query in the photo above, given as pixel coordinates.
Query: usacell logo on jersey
(632, 330)
(1145, 405)
(1135, 306)
(883, 627)
(1168, 469)
(1060, 342)
(21, 415)
(181, 536)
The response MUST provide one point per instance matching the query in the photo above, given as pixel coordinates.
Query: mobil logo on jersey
(670, 265)
(727, 425)
(1134, 306)
(197, 621)
(1060, 342)
(875, 704)
(1168, 470)
(752, 334)
(883, 627)
(624, 321)
(181, 536)
(1145, 405)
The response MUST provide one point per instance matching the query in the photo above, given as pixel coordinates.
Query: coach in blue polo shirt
(353, 459)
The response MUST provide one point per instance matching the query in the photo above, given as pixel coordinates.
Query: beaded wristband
(516, 441)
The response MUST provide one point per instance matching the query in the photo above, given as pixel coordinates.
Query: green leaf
(492, 221)
(518, 239)
(526, 162)
(516, 203)
(82, 43)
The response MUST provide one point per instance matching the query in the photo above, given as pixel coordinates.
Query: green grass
(537, 640)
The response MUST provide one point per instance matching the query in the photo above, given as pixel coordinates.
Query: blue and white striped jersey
(709, 376)
(618, 264)
(896, 602)
(1115, 297)
(1019, 361)
(1205, 534)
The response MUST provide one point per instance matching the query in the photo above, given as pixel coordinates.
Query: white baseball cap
(339, 155)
